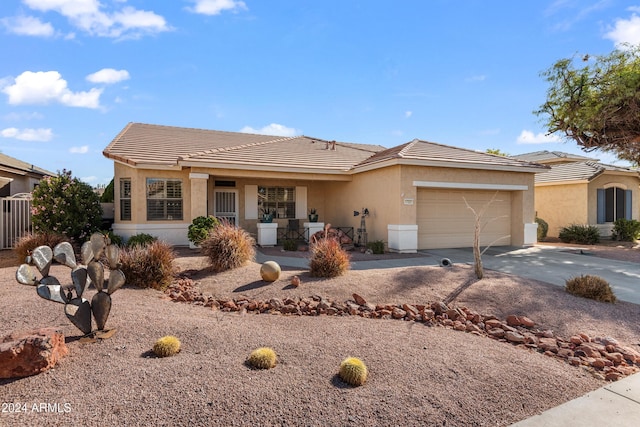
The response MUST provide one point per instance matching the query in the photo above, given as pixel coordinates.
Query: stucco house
(415, 193)
(581, 190)
(17, 176)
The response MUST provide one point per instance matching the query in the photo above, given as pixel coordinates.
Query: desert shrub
(328, 259)
(141, 239)
(377, 246)
(593, 287)
(582, 234)
(353, 371)
(228, 247)
(543, 229)
(148, 266)
(626, 230)
(66, 205)
(262, 358)
(201, 227)
(166, 346)
(27, 243)
(290, 245)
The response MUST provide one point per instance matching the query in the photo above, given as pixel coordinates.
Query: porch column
(198, 194)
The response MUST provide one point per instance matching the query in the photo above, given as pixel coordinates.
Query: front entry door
(226, 205)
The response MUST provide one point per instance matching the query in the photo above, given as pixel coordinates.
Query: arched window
(613, 203)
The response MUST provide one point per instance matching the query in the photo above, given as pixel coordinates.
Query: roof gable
(419, 151)
(580, 171)
(549, 157)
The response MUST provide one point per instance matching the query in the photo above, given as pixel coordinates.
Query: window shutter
(250, 202)
(301, 202)
(627, 204)
(601, 206)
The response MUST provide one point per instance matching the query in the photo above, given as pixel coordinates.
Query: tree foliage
(597, 104)
(64, 204)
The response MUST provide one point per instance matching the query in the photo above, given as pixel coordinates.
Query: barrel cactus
(353, 371)
(166, 346)
(262, 358)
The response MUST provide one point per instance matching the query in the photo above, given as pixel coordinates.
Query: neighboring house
(581, 190)
(17, 176)
(415, 193)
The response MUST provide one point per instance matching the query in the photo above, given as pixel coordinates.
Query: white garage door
(444, 221)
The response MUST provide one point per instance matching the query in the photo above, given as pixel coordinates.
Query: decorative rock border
(605, 357)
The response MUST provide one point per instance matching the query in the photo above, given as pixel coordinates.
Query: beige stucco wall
(567, 204)
(389, 194)
(609, 180)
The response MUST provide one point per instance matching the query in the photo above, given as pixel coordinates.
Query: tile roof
(580, 171)
(424, 151)
(18, 167)
(551, 157)
(166, 145)
(155, 145)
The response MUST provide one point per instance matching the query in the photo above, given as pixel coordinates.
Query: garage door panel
(444, 221)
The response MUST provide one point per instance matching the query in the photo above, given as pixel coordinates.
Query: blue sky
(466, 73)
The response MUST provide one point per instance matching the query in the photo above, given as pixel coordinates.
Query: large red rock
(31, 352)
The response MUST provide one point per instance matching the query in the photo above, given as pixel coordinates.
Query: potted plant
(200, 228)
(313, 215)
(267, 215)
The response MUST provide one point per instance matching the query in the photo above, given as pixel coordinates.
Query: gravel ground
(419, 375)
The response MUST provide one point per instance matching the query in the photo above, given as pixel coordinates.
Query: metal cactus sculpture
(77, 309)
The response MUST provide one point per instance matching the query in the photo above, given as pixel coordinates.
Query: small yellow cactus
(353, 371)
(262, 358)
(166, 346)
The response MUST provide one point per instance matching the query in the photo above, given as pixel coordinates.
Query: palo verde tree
(595, 101)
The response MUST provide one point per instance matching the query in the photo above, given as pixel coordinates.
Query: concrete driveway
(554, 264)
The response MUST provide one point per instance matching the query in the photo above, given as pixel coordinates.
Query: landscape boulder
(31, 352)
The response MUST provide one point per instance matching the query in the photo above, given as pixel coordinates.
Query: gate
(15, 219)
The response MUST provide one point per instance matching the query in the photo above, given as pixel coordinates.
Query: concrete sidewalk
(617, 404)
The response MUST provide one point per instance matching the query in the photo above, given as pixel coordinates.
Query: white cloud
(89, 179)
(108, 76)
(272, 129)
(408, 114)
(28, 26)
(90, 16)
(14, 117)
(44, 87)
(215, 7)
(528, 137)
(625, 31)
(79, 150)
(40, 135)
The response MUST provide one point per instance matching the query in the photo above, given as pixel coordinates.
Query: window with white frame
(164, 199)
(125, 199)
(281, 200)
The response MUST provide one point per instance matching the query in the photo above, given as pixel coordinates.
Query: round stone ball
(270, 271)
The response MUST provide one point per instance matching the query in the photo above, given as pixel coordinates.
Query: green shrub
(581, 234)
(353, 371)
(593, 287)
(328, 259)
(141, 239)
(626, 230)
(27, 243)
(262, 358)
(290, 245)
(201, 227)
(148, 266)
(166, 346)
(377, 247)
(66, 205)
(543, 229)
(228, 247)
(107, 194)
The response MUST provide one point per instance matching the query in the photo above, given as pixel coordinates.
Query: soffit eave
(447, 164)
